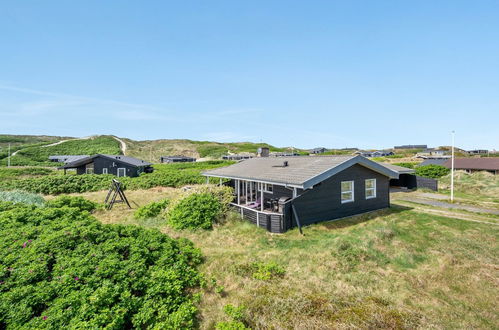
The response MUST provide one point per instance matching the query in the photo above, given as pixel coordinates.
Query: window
(89, 170)
(268, 188)
(104, 171)
(370, 188)
(121, 171)
(347, 191)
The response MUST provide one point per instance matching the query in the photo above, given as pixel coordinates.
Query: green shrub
(264, 271)
(80, 203)
(21, 197)
(235, 313)
(237, 316)
(61, 268)
(230, 325)
(195, 211)
(406, 164)
(151, 210)
(432, 171)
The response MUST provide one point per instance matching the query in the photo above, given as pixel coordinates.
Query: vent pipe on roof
(285, 163)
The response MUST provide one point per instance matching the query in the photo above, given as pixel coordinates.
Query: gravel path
(419, 200)
(122, 145)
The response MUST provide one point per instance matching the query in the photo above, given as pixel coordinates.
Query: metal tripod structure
(115, 190)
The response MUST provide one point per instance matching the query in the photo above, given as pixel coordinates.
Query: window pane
(369, 192)
(370, 183)
(346, 196)
(346, 186)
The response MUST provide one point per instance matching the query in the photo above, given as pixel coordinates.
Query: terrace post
(238, 192)
(261, 196)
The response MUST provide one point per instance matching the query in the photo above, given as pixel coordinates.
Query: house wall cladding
(323, 202)
(100, 163)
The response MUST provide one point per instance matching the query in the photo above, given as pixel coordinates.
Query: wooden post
(295, 192)
(261, 196)
(220, 182)
(238, 191)
(258, 219)
(297, 219)
(207, 179)
(245, 192)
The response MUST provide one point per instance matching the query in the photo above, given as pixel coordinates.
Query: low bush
(151, 210)
(195, 211)
(432, 171)
(61, 268)
(237, 315)
(264, 271)
(406, 164)
(21, 197)
(230, 325)
(80, 203)
(60, 184)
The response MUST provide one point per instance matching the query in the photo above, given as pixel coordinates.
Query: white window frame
(267, 187)
(104, 171)
(370, 189)
(89, 170)
(352, 191)
(118, 172)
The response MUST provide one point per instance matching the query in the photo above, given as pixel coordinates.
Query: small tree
(432, 171)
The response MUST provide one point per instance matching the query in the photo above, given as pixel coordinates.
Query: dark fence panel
(426, 183)
(411, 181)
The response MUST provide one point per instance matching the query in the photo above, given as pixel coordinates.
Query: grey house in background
(316, 151)
(66, 158)
(238, 156)
(412, 146)
(374, 153)
(281, 193)
(109, 164)
(177, 159)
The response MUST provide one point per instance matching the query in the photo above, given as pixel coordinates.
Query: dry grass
(392, 269)
(481, 186)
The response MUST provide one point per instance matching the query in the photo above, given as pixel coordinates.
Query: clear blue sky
(367, 74)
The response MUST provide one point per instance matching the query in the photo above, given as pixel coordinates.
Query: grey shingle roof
(398, 169)
(119, 158)
(67, 158)
(301, 172)
(433, 161)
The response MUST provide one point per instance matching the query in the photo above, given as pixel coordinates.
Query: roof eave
(279, 183)
(346, 164)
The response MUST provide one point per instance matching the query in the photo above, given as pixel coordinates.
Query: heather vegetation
(38, 155)
(61, 268)
(165, 175)
(432, 171)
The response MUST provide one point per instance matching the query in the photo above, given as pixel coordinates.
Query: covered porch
(265, 204)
